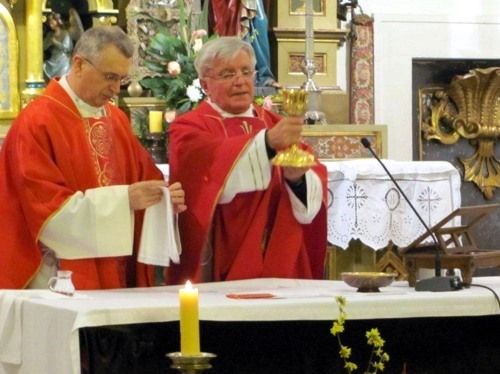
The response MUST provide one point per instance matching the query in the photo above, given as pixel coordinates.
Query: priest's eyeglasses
(109, 76)
(230, 75)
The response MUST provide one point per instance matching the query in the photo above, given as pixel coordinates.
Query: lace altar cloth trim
(364, 204)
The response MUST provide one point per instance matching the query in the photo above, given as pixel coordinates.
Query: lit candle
(155, 121)
(189, 321)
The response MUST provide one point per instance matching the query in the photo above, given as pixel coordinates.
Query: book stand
(456, 243)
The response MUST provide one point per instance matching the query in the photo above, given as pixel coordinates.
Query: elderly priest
(247, 218)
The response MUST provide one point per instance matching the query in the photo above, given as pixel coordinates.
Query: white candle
(309, 30)
(189, 320)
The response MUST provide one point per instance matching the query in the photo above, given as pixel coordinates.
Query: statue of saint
(247, 19)
(58, 43)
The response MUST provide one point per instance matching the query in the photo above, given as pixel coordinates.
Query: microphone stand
(438, 283)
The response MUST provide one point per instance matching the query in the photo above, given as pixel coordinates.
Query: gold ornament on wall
(470, 109)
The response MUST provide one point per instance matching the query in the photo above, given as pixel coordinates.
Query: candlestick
(189, 321)
(191, 364)
(155, 121)
(313, 114)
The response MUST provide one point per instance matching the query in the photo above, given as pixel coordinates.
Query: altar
(131, 330)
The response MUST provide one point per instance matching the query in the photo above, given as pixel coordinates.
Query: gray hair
(95, 39)
(223, 48)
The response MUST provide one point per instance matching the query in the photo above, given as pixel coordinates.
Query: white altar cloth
(48, 331)
(365, 204)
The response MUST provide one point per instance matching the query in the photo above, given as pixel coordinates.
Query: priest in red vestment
(75, 180)
(247, 218)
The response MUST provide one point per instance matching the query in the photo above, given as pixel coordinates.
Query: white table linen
(365, 204)
(49, 331)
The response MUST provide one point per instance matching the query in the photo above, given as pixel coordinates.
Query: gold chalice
(294, 104)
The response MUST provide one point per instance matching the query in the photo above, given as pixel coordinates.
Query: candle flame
(189, 286)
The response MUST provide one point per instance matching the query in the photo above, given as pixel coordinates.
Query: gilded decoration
(9, 51)
(100, 145)
(469, 108)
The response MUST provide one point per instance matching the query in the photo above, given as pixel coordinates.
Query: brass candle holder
(295, 105)
(156, 146)
(191, 364)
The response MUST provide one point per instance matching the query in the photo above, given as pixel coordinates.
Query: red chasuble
(50, 153)
(256, 234)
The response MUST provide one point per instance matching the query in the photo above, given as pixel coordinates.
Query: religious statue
(58, 43)
(247, 19)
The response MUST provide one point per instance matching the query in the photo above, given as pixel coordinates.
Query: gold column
(34, 83)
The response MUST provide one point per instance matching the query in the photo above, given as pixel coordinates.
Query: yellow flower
(378, 356)
(345, 351)
(341, 301)
(379, 366)
(374, 338)
(337, 328)
(350, 366)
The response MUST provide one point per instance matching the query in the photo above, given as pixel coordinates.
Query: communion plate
(368, 281)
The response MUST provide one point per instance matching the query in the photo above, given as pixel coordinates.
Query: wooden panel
(358, 257)
(291, 54)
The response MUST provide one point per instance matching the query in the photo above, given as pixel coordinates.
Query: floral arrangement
(170, 57)
(378, 357)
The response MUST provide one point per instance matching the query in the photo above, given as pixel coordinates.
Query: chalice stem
(294, 104)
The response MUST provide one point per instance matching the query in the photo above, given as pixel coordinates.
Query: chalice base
(294, 157)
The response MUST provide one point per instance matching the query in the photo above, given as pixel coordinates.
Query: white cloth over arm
(160, 241)
(97, 223)
(255, 160)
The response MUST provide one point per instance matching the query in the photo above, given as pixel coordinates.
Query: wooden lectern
(456, 243)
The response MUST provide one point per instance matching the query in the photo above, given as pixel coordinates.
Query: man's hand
(177, 197)
(285, 133)
(142, 195)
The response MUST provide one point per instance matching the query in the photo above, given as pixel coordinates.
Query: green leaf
(154, 66)
(184, 107)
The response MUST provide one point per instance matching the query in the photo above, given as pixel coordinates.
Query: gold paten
(295, 105)
(470, 108)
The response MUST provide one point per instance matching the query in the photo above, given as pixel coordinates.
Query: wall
(407, 29)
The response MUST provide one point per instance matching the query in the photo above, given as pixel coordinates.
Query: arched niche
(9, 56)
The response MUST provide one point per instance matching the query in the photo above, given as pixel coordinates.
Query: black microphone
(437, 283)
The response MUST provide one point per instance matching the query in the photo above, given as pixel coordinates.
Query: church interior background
(376, 72)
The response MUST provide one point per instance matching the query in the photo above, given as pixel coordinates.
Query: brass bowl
(368, 281)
